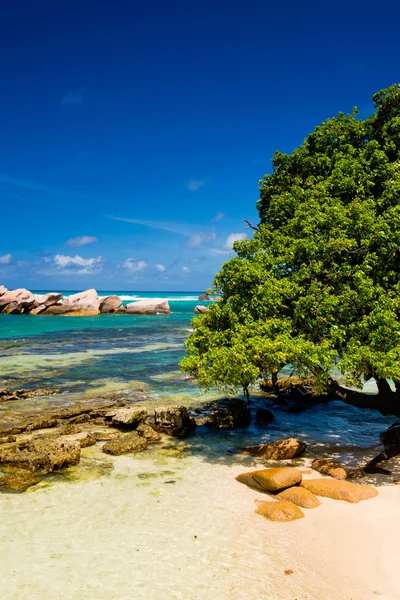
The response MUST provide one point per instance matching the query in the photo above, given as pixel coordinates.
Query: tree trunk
(386, 401)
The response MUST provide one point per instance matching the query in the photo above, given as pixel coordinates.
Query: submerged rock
(19, 481)
(282, 511)
(278, 450)
(234, 416)
(173, 420)
(339, 490)
(271, 480)
(44, 454)
(329, 467)
(264, 416)
(6, 394)
(125, 443)
(299, 496)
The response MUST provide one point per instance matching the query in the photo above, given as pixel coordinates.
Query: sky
(133, 135)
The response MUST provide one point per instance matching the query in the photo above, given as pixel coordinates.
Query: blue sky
(134, 134)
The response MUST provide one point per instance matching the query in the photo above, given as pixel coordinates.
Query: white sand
(123, 537)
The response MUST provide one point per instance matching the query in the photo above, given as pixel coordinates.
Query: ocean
(87, 356)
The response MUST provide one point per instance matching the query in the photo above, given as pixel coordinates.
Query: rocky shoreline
(87, 303)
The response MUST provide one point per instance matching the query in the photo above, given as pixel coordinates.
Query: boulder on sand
(299, 496)
(44, 454)
(278, 450)
(110, 304)
(329, 467)
(152, 306)
(19, 481)
(339, 490)
(271, 480)
(282, 511)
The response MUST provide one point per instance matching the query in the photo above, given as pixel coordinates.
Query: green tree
(319, 283)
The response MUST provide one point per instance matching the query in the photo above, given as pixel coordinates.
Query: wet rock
(70, 429)
(44, 422)
(200, 310)
(84, 439)
(148, 433)
(282, 511)
(264, 416)
(105, 436)
(339, 490)
(19, 481)
(278, 450)
(204, 297)
(173, 420)
(109, 304)
(6, 394)
(7, 439)
(126, 417)
(299, 496)
(43, 454)
(271, 480)
(329, 467)
(236, 415)
(126, 443)
(152, 306)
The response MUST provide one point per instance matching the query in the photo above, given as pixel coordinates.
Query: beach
(172, 521)
(126, 536)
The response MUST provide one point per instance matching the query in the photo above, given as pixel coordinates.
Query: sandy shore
(136, 535)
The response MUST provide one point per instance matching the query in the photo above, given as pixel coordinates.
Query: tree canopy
(318, 285)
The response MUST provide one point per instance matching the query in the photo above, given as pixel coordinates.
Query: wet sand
(136, 535)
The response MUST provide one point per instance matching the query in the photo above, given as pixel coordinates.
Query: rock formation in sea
(86, 303)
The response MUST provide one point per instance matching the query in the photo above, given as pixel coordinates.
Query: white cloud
(195, 184)
(218, 217)
(5, 259)
(161, 267)
(63, 264)
(234, 237)
(75, 98)
(64, 261)
(82, 240)
(186, 269)
(135, 265)
(198, 238)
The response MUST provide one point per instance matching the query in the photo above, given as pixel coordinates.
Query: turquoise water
(94, 356)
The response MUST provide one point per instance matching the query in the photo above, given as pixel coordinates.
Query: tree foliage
(319, 282)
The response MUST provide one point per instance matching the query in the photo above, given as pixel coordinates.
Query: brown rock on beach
(339, 490)
(109, 304)
(282, 511)
(299, 496)
(278, 450)
(329, 467)
(271, 480)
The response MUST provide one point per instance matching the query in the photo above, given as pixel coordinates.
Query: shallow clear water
(89, 356)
